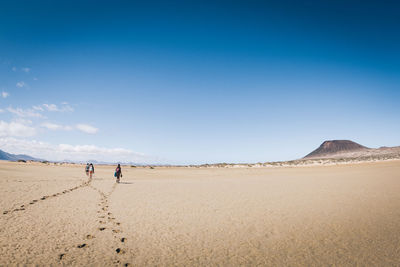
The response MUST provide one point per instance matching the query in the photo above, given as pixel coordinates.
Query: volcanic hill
(333, 147)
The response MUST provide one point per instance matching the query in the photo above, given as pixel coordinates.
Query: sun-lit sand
(342, 215)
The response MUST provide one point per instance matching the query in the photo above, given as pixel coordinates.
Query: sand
(343, 215)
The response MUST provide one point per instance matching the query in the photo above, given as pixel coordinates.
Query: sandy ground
(328, 215)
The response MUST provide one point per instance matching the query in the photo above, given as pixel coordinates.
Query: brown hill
(330, 148)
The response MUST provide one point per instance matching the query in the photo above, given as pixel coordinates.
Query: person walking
(118, 173)
(87, 169)
(91, 170)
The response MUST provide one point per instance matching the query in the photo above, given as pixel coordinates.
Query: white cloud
(72, 152)
(24, 112)
(86, 128)
(4, 94)
(2, 110)
(38, 108)
(54, 107)
(67, 108)
(27, 70)
(51, 126)
(14, 69)
(23, 121)
(35, 79)
(92, 150)
(17, 129)
(54, 126)
(81, 127)
(51, 107)
(21, 84)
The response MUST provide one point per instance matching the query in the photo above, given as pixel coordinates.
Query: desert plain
(345, 215)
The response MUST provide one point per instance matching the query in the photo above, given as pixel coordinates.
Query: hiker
(87, 169)
(118, 172)
(91, 170)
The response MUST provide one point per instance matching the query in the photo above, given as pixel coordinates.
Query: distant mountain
(14, 157)
(345, 149)
(333, 147)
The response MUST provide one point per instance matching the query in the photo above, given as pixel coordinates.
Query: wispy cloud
(24, 112)
(72, 152)
(37, 112)
(4, 94)
(54, 108)
(23, 121)
(86, 128)
(91, 149)
(50, 107)
(24, 69)
(16, 129)
(54, 126)
(38, 108)
(21, 84)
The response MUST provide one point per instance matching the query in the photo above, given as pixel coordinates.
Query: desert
(199, 133)
(346, 214)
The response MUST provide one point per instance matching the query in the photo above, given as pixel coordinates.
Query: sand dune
(322, 215)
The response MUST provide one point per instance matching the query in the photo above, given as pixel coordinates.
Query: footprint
(126, 264)
(118, 250)
(123, 239)
(116, 231)
(90, 236)
(118, 223)
(34, 200)
(61, 256)
(43, 198)
(82, 246)
(102, 228)
(5, 212)
(102, 222)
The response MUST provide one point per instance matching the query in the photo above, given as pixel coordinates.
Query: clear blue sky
(196, 82)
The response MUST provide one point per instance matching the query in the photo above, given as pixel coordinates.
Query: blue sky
(197, 82)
